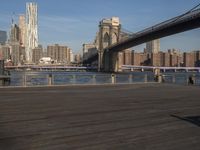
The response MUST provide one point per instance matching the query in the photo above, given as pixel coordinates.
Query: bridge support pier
(110, 62)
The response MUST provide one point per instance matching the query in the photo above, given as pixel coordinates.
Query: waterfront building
(127, 57)
(68, 56)
(3, 37)
(136, 58)
(89, 50)
(37, 54)
(61, 54)
(22, 30)
(157, 59)
(174, 60)
(14, 33)
(189, 59)
(4, 52)
(77, 58)
(31, 30)
(15, 53)
(197, 58)
(71, 56)
(166, 59)
(153, 46)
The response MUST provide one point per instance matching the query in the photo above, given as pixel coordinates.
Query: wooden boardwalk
(106, 117)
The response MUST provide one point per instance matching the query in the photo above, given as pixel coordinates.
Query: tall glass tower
(31, 30)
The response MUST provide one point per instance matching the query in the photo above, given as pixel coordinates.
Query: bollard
(24, 80)
(173, 79)
(159, 78)
(74, 79)
(94, 79)
(130, 78)
(145, 78)
(194, 78)
(50, 79)
(113, 78)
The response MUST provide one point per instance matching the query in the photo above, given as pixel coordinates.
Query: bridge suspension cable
(187, 12)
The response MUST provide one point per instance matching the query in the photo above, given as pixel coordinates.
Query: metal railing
(180, 79)
(27, 80)
(50, 79)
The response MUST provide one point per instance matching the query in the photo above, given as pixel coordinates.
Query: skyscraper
(14, 33)
(153, 46)
(22, 30)
(3, 37)
(31, 30)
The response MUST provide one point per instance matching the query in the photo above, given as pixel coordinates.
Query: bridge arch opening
(114, 38)
(106, 40)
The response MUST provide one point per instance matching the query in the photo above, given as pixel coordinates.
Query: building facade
(89, 50)
(14, 33)
(3, 37)
(37, 54)
(61, 54)
(153, 46)
(15, 53)
(5, 52)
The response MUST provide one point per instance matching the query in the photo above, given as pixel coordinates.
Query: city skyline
(76, 22)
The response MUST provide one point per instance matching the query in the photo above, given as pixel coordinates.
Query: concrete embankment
(118, 117)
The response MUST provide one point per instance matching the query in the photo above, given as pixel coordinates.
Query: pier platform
(100, 117)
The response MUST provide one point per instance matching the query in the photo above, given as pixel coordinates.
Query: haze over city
(76, 22)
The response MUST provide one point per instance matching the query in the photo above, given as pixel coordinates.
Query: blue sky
(74, 22)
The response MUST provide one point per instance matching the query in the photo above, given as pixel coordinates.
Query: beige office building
(153, 46)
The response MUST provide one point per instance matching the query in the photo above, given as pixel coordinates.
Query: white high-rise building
(153, 46)
(31, 30)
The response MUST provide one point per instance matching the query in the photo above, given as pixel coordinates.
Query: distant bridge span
(179, 24)
(185, 22)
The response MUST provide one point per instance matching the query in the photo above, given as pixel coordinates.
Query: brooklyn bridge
(113, 40)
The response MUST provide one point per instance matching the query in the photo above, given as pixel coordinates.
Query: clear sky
(74, 22)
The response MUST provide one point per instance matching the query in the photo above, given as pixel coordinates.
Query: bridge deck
(118, 117)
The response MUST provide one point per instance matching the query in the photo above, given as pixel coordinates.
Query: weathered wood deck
(109, 117)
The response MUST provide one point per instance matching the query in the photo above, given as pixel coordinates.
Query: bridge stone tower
(109, 33)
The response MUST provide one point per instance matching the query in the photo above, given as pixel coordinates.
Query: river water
(34, 78)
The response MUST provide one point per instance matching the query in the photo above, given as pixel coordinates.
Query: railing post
(173, 78)
(24, 80)
(50, 79)
(113, 78)
(94, 79)
(130, 78)
(194, 79)
(74, 79)
(145, 78)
